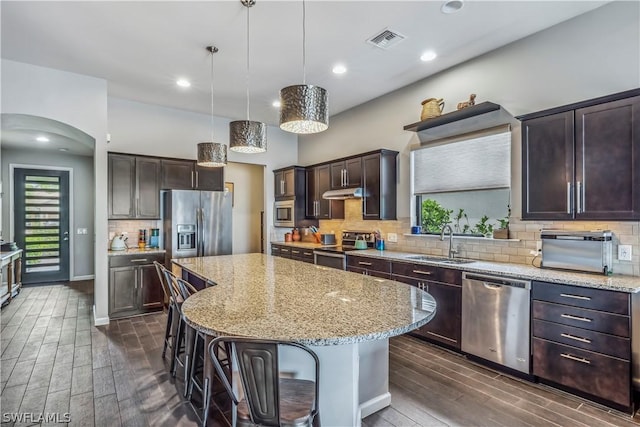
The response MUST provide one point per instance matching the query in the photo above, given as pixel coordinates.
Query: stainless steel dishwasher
(496, 320)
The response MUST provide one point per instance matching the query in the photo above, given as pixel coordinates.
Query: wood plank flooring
(55, 361)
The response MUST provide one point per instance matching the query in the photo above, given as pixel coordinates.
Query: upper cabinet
(379, 185)
(346, 173)
(134, 191)
(289, 183)
(319, 181)
(583, 161)
(187, 175)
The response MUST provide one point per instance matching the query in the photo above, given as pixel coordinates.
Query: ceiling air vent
(386, 39)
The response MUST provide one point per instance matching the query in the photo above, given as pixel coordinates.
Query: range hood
(343, 193)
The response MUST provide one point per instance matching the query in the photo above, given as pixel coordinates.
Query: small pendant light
(246, 136)
(303, 108)
(212, 154)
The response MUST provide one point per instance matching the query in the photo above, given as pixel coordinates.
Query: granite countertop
(9, 254)
(630, 284)
(137, 251)
(304, 245)
(271, 297)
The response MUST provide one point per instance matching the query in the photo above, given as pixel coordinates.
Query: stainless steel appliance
(496, 320)
(284, 213)
(589, 251)
(196, 223)
(335, 256)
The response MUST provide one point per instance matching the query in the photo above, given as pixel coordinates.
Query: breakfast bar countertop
(616, 282)
(137, 251)
(277, 298)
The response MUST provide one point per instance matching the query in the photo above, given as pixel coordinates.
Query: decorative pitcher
(431, 107)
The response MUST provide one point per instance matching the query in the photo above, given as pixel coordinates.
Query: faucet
(452, 251)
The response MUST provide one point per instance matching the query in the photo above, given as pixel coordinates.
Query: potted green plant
(483, 227)
(503, 231)
(434, 216)
(459, 216)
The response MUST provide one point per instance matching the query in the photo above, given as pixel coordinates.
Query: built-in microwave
(284, 213)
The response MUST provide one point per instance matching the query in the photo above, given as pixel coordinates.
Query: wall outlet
(81, 231)
(624, 252)
(538, 246)
(392, 237)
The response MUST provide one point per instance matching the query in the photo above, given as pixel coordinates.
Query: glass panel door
(42, 224)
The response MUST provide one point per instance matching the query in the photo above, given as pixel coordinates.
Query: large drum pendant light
(303, 108)
(212, 154)
(246, 136)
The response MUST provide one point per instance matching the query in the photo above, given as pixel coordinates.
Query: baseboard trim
(99, 321)
(374, 405)
(86, 277)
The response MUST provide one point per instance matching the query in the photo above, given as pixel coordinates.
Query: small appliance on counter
(327, 239)
(154, 239)
(118, 243)
(585, 251)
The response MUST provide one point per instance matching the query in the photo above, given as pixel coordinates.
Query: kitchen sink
(443, 260)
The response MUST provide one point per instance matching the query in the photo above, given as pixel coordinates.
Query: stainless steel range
(335, 256)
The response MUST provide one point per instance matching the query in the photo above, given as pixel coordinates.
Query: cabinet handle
(346, 178)
(574, 358)
(139, 260)
(441, 336)
(197, 179)
(364, 263)
(427, 273)
(281, 187)
(284, 250)
(582, 319)
(569, 198)
(579, 197)
(573, 337)
(576, 297)
(192, 181)
(295, 252)
(307, 253)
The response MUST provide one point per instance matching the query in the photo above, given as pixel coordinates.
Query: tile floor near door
(54, 361)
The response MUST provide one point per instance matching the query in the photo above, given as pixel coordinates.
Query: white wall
(83, 199)
(79, 101)
(592, 55)
(248, 202)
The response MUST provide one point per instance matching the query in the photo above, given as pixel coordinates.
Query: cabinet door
(311, 197)
(324, 184)
(353, 174)
(123, 290)
(209, 179)
(371, 187)
(121, 186)
(151, 293)
(547, 167)
(608, 160)
(337, 175)
(278, 184)
(178, 175)
(445, 326)
(148, 187)
(289, 179)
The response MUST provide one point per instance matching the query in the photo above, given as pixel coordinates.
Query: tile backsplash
(523, 236)
(132, 228)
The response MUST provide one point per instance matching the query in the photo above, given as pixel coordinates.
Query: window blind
(477, 163)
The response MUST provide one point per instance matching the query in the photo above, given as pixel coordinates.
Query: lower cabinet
(369, 266)
(445, 286)
(134, 285)
(293, 252)
(582, 341)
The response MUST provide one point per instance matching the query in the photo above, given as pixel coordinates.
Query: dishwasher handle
(496, 282)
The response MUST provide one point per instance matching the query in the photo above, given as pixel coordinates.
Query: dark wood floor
(55, 361)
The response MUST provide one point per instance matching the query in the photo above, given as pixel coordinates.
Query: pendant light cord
(212, 51)
(248, 101)
(304, 43)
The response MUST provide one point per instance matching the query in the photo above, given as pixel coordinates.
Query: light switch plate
(624, 252)
(392, 237)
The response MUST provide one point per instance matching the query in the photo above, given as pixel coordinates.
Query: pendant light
(212, 154)
(246, 136)
(303, 108)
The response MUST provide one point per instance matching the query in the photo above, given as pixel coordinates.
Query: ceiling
(141, 48)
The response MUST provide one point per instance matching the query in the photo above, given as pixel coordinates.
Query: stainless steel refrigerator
(196, 223)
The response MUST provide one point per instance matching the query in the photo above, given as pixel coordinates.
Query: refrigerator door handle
(201, 239)
(198, 231)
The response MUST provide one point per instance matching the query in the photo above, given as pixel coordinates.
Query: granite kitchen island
(346, 318)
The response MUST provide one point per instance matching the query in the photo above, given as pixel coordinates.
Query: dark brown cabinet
(134, 286)
(379, 185)
(319, 181)
(369, 266)
(187, 175)
(285, 183)
(346, 173)
(445, 286)
(581, 341)
(134, 187)
(583, 161)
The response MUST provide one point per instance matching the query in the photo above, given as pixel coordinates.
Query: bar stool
(169, 334)
(180, 343)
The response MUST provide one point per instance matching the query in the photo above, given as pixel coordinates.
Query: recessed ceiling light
(428, 56)
(42, 139)
(452, 6)
(339, 69)
(63, 149)
(183, 82)
(276, 104)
